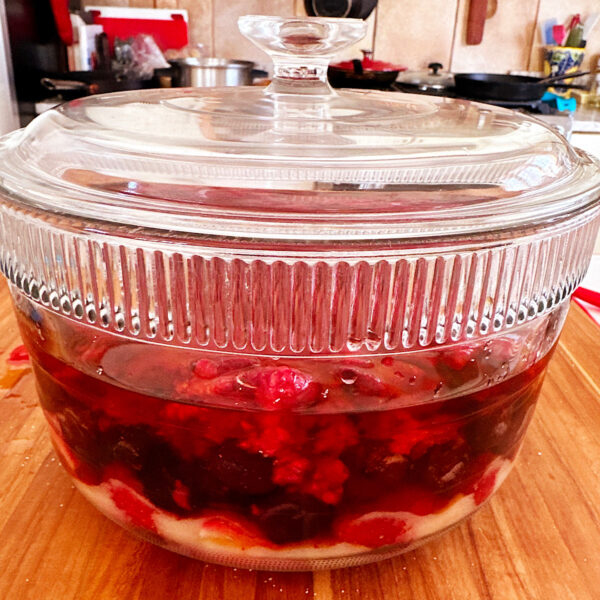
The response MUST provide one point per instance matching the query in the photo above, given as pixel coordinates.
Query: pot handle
(62, 84)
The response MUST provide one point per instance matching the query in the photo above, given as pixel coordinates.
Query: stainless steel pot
(211, 72)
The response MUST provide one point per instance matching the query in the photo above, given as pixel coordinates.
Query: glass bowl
(291, 328)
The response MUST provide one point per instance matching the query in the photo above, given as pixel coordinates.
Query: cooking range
(560, 120)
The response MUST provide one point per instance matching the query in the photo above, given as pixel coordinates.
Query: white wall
(8, 106)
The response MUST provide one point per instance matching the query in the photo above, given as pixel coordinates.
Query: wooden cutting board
(538, 538)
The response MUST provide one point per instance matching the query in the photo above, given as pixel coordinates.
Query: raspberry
(361, 363)
(228, 365)
(290, 470)
(365, 384)
(327, 480)
(191, 430)
(334, 435)
(284, 387)
(240, 387)
(205, 369)
(271, 433)
(413, 379)
(504, 349)
(179, 412)
(405, 441)
(369, 385)
(458, 357)
(421, 435)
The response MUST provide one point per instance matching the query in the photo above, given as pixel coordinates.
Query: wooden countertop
(538, 538)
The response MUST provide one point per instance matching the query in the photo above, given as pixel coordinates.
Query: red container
(169, 28)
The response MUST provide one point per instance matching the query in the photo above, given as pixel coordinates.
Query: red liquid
(273, 453)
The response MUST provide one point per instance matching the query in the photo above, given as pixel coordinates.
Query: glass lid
(296, 159)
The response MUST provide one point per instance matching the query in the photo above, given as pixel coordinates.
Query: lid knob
(435, 67)
(301, 47)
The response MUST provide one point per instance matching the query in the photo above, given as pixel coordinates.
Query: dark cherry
(159, 476)
(55, 398)
(443, 465)
(152, 460)
(373, 472)
(289, 518)
(79, 431)
(500, 427)
(203, 485)
(131, 445)
(367, 457)
(240, 471)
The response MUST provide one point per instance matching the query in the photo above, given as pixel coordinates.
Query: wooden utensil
(476, 21)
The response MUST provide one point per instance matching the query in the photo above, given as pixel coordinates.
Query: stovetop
(561, 121)
(532, 106)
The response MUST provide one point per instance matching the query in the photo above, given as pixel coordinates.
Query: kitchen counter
(538, 537)
(587, 119)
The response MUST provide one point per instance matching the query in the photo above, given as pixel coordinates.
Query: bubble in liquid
(348, 376)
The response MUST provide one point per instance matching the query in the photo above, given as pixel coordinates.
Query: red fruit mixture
(295, 450)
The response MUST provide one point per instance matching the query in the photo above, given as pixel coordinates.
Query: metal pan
(82, 83)
(213, 72)
(509, 88)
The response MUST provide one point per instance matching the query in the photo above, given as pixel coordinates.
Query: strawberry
(484, 487)
(138, 511)
(18, 356)
(373, 530)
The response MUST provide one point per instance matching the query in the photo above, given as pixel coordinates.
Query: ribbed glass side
(186, 294)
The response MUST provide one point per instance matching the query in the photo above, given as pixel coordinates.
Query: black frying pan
(83, 83)
(509, 88)
(355, 9)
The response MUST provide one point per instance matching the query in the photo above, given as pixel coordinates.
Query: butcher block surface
(537, 538)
